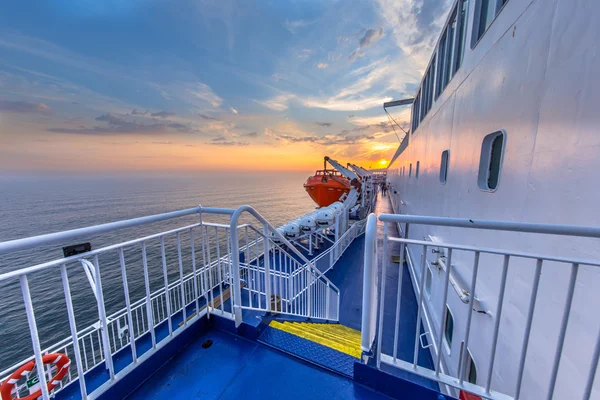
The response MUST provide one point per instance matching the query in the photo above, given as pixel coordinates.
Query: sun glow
(383, 162)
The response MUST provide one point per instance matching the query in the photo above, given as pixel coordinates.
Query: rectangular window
(431, 82)
(451, 50)
(444, 166)
(416, 110)
(410, 170)
(490, 161)
(485, 12)
(462, 34)
(440, 68)
(417, 170)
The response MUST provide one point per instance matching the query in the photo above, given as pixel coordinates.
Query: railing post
(369, 308)
(103, 320)
(327, 291)
(267, 262)
(235, 266)
(73, 327)
(35, 339)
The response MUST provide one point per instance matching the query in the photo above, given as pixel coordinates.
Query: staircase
(331, 346)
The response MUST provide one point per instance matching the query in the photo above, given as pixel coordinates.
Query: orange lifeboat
(326, 187)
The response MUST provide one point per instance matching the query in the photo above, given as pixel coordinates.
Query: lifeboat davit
(326, 187)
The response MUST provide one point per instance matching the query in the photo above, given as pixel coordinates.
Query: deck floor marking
(334, 336)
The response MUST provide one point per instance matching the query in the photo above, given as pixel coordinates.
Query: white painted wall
(535, 75)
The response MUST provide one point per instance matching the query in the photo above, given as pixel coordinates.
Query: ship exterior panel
(531, 78)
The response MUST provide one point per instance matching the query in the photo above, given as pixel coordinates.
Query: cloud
(356, 54)
(196, 94)
(219, 139)
(322, 65)
(117, 124)
(24, 107)
(136, 112)
(304, 54)
(162, 114)
(294, 26)
(228, 143)
(416, 25)
(327, 140)
(162, 142)
(371, 36)
(278, 103)
(233, 110)
(250, 134)
(324, 124)
(204, 116)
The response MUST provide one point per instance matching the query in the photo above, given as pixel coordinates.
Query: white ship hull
(533, 76)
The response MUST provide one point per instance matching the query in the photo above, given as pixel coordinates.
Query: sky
(190, 85)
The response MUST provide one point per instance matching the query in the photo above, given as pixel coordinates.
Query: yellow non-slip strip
(298, 330)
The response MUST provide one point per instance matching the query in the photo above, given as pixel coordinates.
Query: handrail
(235, 253)
(50, 238)
(260, 218)
(369, 272)
(526, 227)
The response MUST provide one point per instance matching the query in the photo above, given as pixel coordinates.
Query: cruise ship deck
(220, 364)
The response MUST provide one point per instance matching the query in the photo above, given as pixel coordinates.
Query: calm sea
(36, 205)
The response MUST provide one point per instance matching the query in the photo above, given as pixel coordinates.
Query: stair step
(309, 351)
(329, 335)
(332, 332)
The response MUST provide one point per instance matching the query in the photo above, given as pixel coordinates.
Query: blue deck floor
(236, 368)
(348, 276)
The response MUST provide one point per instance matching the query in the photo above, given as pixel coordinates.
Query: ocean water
(36, 205)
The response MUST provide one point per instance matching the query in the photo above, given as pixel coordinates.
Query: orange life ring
(62, 363)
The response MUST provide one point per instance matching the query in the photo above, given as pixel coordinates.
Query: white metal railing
(277, 277)
(338, 248)
(195, 270)
(490, 384)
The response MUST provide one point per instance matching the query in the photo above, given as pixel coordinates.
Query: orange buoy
(62, 363)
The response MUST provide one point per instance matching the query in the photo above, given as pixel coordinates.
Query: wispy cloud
(356, 54)
(233, 110)
(24, 107)
(324, 124)
(250, 134)
(296, 25)
(207, 117)
(195, 94)
(304, 54)
(162, 114)
(327, 140)
(117, 124)
(278, 103)
(231, 143)
(416, 25)
(322, 65)
(371, 36)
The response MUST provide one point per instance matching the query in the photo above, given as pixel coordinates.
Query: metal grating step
(331, 346)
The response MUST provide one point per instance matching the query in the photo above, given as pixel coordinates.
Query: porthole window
(449, 327)
(490, 163)
(444, 166)
(417, 170)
